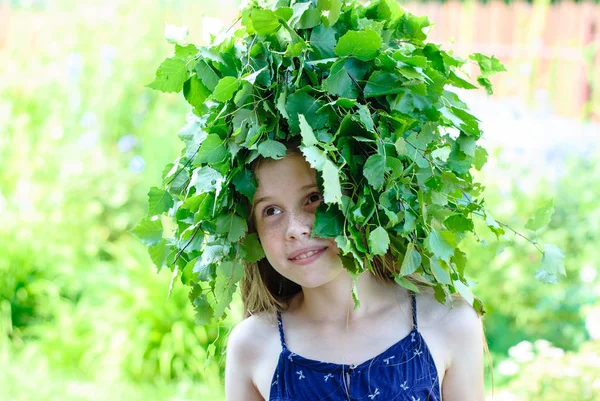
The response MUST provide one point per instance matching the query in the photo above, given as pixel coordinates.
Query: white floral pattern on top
(375, 394)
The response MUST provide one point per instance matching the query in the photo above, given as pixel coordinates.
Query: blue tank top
(404, 372)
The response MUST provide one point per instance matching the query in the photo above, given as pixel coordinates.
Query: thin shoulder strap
(414, 309)
(280, 325)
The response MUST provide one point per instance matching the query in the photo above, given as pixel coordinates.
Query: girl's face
(284, 207)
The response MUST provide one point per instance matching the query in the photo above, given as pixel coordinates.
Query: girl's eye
(313, 198)
(316, 197)
(266, 211)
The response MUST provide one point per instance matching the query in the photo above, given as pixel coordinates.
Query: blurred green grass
(83, 314)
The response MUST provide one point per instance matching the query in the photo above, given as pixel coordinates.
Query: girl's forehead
(290, 172)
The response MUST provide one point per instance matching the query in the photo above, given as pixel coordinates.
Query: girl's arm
(463, 380)
(239, 365)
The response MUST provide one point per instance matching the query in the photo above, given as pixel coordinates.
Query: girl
(302, 339)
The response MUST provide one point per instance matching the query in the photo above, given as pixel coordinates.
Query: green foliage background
(83, 313)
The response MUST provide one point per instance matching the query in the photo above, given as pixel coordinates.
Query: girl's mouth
(308, 257)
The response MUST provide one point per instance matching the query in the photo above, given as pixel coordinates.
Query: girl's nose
(299, 224)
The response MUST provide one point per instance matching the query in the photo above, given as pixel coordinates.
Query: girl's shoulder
(456, 321)
(249, 337)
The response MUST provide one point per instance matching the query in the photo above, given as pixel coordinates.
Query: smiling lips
(307, 254)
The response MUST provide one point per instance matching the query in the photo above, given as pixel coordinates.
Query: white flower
(592, 323)
(522, 352)
(508, 368)
(588, 274)
(176, 34)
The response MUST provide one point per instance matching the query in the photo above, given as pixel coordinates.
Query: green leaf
(382, 83)
(251, 78)
(245, 183)
(467, 144)
(212, 150)
(254, 251)
(339, 83)
(329, 223)
(541, 217)
(204, 312)
(365, 117)
(195, 92)
(459, 223)
(303, 103)
(493, 225)
(308, 136)
(441, 153)
(210, 254)
(413, 27)
(207, 75)
(298, 11)
(487, 84)
(170, 76)
(439, 246)
(265, 22)
(364, 45)
(438, 271)
(379, 241)
(226, 88)
(185, 52)
(331, 178)
(244, 93)
(400, 146)
(332, 9)
(273, 149)
(488, 65)
(411, 261)
(159, 201)
(158, 253)
(149, 231)
(374, 170)
(206, 179)
(305, 17)
(458, 82)
(389, 10)
(281, 104)
(201, 205)
(552, 265)
(233, 225)
(464, 290)
(460, 260)
(480, 159)
(322, 42)
(295, 49)
(228, 274)
(404, 282)
(314, 156)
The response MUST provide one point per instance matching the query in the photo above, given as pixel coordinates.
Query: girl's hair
(263, 289)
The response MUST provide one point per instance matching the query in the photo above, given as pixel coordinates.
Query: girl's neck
(333, 302)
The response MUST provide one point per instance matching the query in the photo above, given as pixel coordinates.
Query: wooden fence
(551, 51)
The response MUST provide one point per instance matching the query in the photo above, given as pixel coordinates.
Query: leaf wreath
(370, 101)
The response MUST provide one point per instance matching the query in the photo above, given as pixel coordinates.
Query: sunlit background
(85, 316)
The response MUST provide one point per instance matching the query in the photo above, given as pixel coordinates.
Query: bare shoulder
(246, 348)
(248, 336)
(455, 318)
(457, 326)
